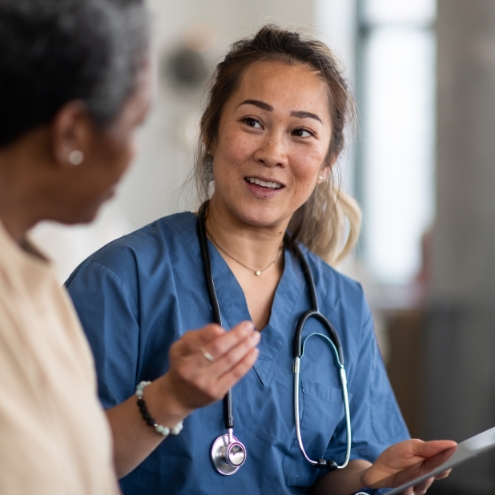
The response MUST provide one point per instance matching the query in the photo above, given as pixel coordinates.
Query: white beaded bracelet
(162, 430)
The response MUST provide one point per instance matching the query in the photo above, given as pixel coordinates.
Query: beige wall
(151, 187)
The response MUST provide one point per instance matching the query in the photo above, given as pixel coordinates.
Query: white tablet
(445, 460)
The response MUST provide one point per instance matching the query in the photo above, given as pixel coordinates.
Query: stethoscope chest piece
(227, 454)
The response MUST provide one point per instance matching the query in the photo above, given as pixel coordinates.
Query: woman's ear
(71, 132)
(324, 173)
(326, 169)
(211, 149)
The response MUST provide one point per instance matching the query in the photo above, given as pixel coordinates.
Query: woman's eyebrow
(257, 103)
(305, 115)
(301, 114)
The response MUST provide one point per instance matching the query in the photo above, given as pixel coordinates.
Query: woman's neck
(255, 256)
(20, 207)
(253, 247)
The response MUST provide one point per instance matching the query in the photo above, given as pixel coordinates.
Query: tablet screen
(443, 461)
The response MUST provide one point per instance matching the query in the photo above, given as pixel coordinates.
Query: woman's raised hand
(408, 460)
(205, 363)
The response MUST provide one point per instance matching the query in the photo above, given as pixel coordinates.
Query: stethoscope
(227, 453)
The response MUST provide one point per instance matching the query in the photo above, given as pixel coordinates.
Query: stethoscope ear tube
(314, 312)
(330, 465)
(298, 352)
(298, 345)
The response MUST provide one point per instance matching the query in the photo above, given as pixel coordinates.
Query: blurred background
(422, 166)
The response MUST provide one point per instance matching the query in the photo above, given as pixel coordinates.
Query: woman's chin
(78, 216)
(248, 213)
(264, 220)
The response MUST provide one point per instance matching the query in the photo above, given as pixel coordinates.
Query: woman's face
(272, 144)
(107, 156)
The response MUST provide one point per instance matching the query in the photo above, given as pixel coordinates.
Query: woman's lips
(263, 188)
(269, 184)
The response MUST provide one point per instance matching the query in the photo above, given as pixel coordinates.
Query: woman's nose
(272, 151)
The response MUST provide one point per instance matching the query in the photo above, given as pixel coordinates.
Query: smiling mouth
(263, 183)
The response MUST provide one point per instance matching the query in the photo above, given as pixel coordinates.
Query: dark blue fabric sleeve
(109, 315)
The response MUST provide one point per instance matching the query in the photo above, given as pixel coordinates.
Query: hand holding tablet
(414, 463)
(409, 460)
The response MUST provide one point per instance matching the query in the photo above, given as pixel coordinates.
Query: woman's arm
(385, 472)
(344, 481)
(191, 382)
(119, 307)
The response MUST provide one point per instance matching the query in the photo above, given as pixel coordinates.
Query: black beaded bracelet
(162, 430)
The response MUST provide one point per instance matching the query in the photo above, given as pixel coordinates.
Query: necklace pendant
(258, 273)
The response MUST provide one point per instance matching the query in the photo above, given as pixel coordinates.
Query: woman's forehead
(284, 84)
(264, 73)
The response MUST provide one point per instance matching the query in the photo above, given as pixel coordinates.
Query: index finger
(221, 345)
(423, 487)
(433, 447)
(193, 340)
(443, 475)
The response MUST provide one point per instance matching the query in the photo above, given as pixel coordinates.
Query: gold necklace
(256, 272)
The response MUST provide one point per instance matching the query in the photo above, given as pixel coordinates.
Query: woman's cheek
(239, 150)
(306, 168)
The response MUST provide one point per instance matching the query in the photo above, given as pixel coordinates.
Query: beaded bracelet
(162, 430)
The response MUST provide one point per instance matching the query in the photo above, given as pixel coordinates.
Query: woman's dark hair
(55, 51)
(320, 223)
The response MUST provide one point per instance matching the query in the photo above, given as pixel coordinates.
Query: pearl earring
(320, 179)
(76, 157)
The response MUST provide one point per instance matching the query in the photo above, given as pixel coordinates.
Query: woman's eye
(252, 122)
(302, 133)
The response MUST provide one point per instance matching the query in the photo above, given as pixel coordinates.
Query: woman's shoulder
(145, 246)
(337, 289)
(329, 274)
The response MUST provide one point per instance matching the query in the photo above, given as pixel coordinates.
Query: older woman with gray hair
(74, 86)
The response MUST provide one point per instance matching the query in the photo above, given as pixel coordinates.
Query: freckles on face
(272, 142)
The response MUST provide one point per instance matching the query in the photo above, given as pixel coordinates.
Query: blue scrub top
(140, 293)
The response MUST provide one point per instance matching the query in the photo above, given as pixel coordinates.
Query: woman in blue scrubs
(270, 135)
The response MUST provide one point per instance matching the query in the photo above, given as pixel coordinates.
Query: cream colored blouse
(54, 437)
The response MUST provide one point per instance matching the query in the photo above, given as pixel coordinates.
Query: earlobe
(209, 144)
(323, 175)
(326, 170)
(76, 157)
(70, 133)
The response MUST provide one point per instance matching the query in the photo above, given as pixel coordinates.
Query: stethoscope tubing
(298, 351)
(298, 348)
(215, 308)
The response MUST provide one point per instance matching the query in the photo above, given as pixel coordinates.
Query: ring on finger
(207, 355)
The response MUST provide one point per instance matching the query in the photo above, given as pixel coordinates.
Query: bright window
(396, 102)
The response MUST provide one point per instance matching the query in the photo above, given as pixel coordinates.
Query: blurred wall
(153, 186)
(460, 339)
(165, 157)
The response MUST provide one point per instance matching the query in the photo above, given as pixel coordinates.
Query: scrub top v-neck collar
(234, 308)
(233, 305)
